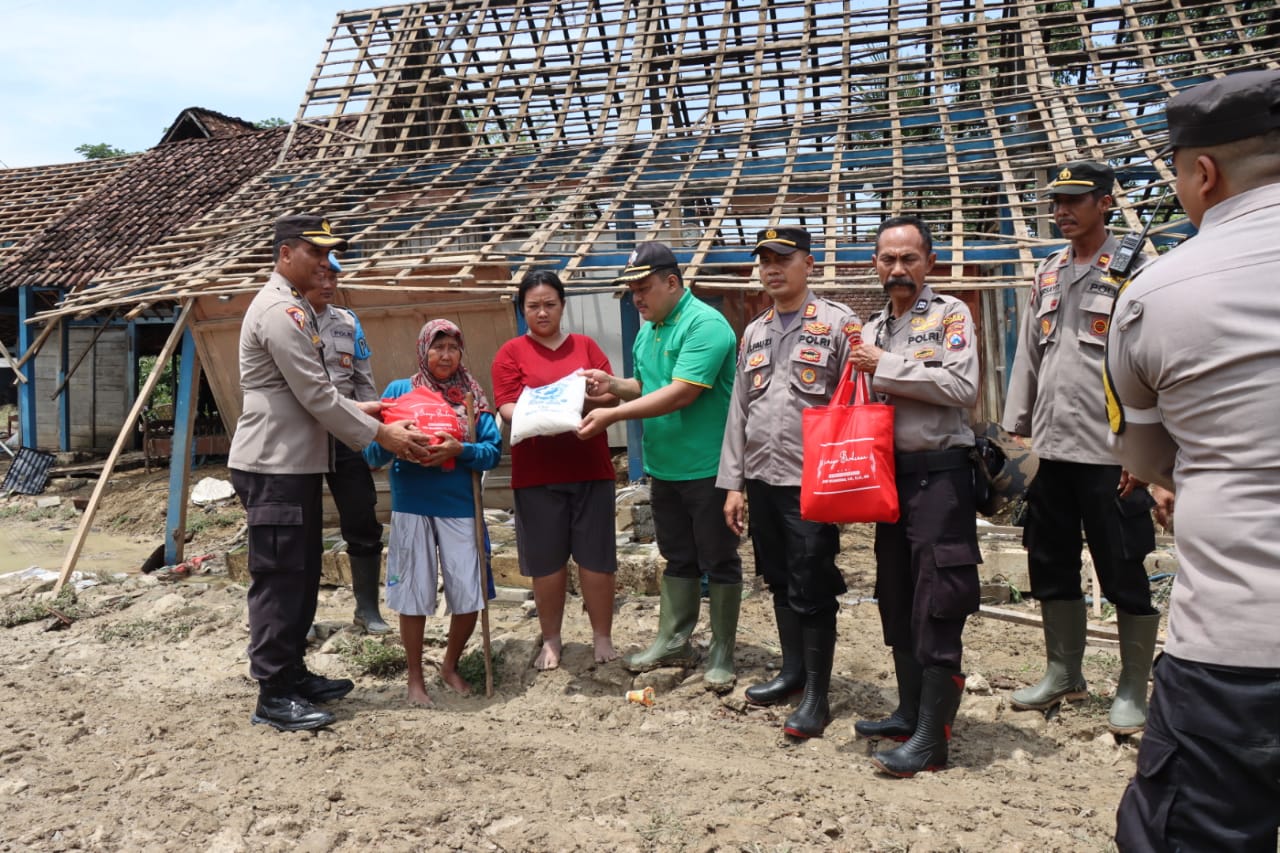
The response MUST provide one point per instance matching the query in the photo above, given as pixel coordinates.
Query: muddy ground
(129, 730)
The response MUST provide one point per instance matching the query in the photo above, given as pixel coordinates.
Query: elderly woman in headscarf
(432, 510)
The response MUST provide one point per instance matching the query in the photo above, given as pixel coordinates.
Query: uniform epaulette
(763, 311)
(1051, 258)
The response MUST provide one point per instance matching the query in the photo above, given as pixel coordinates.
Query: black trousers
(1062, 497)
(285, 518)
(796, 558)
(927, 561)
(1209, 764)
(688, 522)
(351, 484)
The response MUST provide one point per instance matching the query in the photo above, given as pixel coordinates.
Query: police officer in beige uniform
(280, 451)
(790, 358)
(1055, 398)
(346, 358)
(921, 355)
(1193, 356)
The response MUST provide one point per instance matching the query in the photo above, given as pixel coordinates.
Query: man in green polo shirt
(685, 359)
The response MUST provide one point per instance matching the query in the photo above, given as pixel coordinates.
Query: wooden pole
(9, 358)
(37, 343)
(477, 502)
(126, 432)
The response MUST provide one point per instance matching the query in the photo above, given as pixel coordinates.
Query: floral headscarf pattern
(455, 388)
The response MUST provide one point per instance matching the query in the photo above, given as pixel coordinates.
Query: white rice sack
(549, 410)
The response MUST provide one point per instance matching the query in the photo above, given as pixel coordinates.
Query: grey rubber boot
(366, 575)
(726, 601)
(1065, 623)
(677, 617)
(1137, 648)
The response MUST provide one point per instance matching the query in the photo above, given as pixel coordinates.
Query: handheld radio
(1121, 265)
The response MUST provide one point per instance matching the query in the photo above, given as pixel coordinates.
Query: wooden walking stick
(478, 509)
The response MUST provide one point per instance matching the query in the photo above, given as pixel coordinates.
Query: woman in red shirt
(563, 486)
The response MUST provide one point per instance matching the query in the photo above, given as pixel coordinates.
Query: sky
(77, 72)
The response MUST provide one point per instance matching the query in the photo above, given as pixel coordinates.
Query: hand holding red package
(429, 413)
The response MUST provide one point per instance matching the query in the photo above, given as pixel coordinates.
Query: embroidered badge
(345, 360)
(810, 355)
(1103, 260)
(952, 319)
(1049, 279)
(768, 316)
(757, 380)
(296, 314)
(851, 328)
(921, 306)
(1100, 326)
(756, 360)
(956, 342)
(808, 376)
(816, 328)
(1045, 326)
(921, 324)
(921, 354)
(810, 310)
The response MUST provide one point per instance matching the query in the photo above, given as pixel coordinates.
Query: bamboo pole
(477, 488)
(86, 521)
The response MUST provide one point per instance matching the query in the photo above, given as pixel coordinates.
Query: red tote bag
(848, 457)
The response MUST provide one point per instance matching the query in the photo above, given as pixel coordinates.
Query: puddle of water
(47, 548)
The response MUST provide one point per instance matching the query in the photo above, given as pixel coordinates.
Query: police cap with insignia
(1082, 176)
(648, 258)
(1228, 109)
(306, 226)
(783, 239)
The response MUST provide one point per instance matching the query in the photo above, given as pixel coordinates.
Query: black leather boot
(940, 692)
(901, 724)
(316, 688)
(811, 717)
(790, 679)
(280, 707)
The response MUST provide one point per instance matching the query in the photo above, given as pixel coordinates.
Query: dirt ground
(129, 730)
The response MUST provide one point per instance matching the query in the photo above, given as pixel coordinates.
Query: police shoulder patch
(297, 315)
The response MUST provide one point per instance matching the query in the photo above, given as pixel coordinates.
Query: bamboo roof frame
(527, 133)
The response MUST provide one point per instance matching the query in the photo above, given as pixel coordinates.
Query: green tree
(268, 123)
(101, 151)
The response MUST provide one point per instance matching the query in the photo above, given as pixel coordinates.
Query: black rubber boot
(901, 724)
(316, 688)
(366, 578)
(789, 681)
(940, 692)
(813, 714)
(282, 708)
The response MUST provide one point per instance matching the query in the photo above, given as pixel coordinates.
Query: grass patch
(210, 520)
(471, 668)
(373, 657)
(35, 610)
(138, 630)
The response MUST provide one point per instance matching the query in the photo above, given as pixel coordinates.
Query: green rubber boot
(726, 600)
(1137, 648)
(1065, 623)
(677, 617)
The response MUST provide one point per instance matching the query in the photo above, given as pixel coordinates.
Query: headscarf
(455, 388)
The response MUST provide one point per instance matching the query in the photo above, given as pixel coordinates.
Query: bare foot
(549, 657)
(418, 697)
(604, 649)
(455, 682)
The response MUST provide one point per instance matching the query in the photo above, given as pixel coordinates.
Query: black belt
(932, 460)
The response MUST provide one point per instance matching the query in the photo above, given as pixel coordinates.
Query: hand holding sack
(549, 410)
(848, 471)
(429, 412)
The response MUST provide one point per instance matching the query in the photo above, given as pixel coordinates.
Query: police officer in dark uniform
(280, 452)
(921, 356)
(346, 358)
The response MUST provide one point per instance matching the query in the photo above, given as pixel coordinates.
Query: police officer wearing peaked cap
(1191, 359)
(790, 359)
(1054, 398)
(280, 452)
